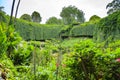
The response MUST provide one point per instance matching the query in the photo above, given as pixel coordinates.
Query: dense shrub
(13, 46)
(22, 53)
(9, 42)
(89, 61)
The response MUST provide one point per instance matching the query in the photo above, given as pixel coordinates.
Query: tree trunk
(10, 22)
(16, 10)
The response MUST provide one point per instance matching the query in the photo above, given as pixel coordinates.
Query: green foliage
(7, 66)
(68, 43)
(36, 17)
(54, 20)
(81, 64)
(34, 31)
(3, 39)
(113, 6)
(17, 50)
(92, 62)
(13, 51)
(13, 46)
(94, 18)
(72, 59)
(2, 17)
(26, 17)
(22, 53)
(108, 28)
(65, 31)
(83, 30)
(59, 60)
(71, 14)
(106, 62)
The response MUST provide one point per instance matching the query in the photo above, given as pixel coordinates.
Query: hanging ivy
(108, 28)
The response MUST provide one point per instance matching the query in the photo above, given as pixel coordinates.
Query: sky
(50, 8)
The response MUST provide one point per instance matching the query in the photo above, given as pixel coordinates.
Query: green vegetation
(71, 15)
(94, 19)
(33, 31)
(90, 61)
(90, 52)
(36, 17)
(26, 17)
(83, 30)
(108, 28)
(54, 20)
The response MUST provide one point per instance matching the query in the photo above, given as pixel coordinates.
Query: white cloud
(49, 8)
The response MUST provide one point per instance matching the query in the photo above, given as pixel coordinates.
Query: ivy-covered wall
(34, 31)
(83, 30)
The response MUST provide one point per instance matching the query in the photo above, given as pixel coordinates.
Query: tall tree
(72, 14)
(53, 20)
(26, 17)
(36, 17)
(10, 22)
(113, 6)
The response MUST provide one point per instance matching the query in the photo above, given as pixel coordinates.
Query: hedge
(34, 31)
(83, 30)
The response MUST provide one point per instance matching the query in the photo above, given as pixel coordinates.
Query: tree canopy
(113, 6)
(26, 17)
(36, 17)
(72, 14)
(94, 18)
(53, 20)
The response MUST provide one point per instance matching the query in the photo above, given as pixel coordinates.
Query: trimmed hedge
(83, 30)
(34, 31)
